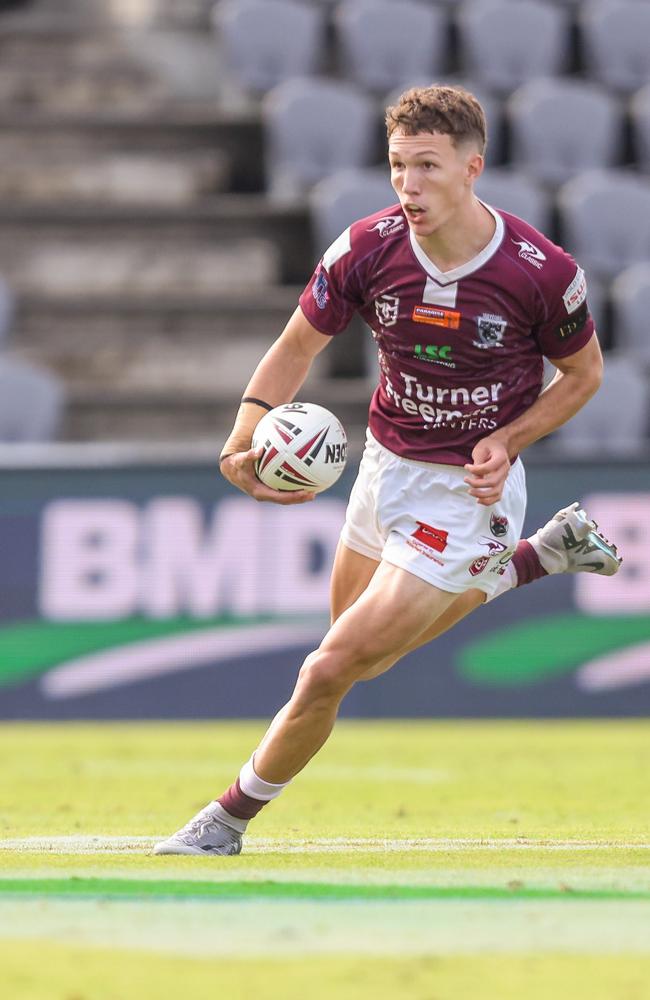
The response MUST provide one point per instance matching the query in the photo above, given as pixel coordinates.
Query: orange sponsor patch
(436, 317)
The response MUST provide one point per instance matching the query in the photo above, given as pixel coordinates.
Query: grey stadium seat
(560, 127)
(514, 192)
(7, 309)
(31, 403)
(345, 197)
(605, 220)
(631, 306)
(506, 42)
(313, 128)
(615, 38)
(640, 113)
(267, 41)
(615, 420)
(382, 47)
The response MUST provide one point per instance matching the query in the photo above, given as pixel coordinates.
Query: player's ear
(474, 166)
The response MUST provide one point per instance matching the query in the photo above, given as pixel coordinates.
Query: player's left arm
(577, 379)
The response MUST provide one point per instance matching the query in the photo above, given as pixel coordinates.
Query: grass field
(418, 859)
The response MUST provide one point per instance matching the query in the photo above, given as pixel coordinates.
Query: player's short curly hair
(452, 111)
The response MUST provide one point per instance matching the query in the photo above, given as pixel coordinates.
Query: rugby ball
(305, 447)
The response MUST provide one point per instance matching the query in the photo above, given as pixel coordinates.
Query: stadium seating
(7, 308)
(640, 113)
(605, 220)
(614, 36)
(506, 42)
(381, 51)
(267, 41)
(344, 197)
(631, 307)
(615, 420)
(516, 193)
(314, 127)
(559, 127)
(31, 403)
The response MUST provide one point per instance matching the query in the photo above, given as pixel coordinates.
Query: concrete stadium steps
(119, 178)
(44, 136)
(58, 68)
(189, 14)
(228, 243)
(160, 416)
(185, 344)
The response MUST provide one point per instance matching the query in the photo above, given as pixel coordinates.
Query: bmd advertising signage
(160, 592)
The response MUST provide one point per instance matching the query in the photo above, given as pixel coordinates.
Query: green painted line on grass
(177, 889)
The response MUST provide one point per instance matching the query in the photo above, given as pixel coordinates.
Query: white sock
(251, 784)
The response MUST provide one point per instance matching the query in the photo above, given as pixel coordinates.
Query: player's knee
(324, 676)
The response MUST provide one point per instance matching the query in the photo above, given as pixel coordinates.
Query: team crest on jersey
(491, 329)
(387, 226)
(387, 309)
(531, 253)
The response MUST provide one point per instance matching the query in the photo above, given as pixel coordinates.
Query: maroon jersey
(461, 351)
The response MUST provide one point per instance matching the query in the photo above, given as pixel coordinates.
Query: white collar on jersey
(448, 277)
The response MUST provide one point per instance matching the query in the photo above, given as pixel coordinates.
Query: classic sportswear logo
(531, 253)
(387, 226)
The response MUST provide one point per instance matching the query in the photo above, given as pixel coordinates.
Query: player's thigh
(463, 605)
(395, 607)
(351, 574)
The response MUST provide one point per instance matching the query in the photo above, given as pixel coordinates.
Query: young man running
(464, 302)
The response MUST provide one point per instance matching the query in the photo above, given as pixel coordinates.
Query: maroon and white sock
(524, 567)
(244, 799)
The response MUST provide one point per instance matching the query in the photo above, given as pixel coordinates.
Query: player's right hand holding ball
(239, 469)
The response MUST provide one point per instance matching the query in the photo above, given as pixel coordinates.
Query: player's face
(432, 177)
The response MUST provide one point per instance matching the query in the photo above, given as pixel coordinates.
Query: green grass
(560, 909)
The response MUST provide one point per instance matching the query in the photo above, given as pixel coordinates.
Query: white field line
(318, 845)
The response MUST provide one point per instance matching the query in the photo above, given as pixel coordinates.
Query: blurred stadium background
(170, 172)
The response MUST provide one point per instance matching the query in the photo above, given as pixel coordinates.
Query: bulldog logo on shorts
(498, 525)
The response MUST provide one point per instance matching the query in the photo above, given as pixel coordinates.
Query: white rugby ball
(305, 447)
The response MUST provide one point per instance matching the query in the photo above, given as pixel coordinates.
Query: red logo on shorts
(479, 565)
(433, 538)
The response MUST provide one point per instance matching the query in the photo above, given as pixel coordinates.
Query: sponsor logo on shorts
(495, 548)
(434, 538)
(498, 525)
(387, 309)
(501, 565)
(491, 329)
(387, 226)
(574, 325)
(320, 290)
(576, 293)
(531, 253)
(448, 318)
(479, 565)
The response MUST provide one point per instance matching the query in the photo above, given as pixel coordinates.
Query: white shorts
(420, 516)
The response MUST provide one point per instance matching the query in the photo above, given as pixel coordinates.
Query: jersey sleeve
(333, 293)
(567, 324)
